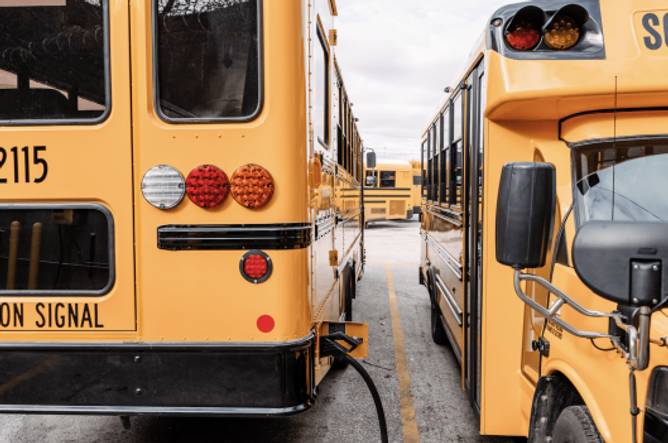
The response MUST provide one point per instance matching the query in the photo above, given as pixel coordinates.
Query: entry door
(66, 200)
(474, 234)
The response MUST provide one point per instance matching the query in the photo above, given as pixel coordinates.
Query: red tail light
(207, 186)
(252, 186)
(524, 31)
(256, 267)
(523, 37)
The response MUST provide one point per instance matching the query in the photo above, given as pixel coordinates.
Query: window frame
(207, 120)
(321, 41)
(106, 23)
(459, 95)
(55, 293)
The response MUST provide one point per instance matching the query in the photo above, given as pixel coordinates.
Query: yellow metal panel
(91, 164)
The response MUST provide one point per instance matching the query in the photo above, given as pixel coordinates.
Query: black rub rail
(234, 237)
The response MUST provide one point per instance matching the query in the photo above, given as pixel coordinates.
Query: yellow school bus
(388, 192)
(544, 222)
(170, 240)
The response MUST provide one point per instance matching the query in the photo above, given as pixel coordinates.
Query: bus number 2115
(23, 164)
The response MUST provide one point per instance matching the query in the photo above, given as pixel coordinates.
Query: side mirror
(370, 160)
(525, 214)
(623, 261)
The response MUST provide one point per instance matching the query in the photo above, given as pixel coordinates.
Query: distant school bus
(545, 235)
(388, 192)
(170, 241)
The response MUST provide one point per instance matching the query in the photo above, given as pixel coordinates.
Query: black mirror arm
(637, 354)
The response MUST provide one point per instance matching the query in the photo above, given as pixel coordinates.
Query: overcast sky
(397, 56)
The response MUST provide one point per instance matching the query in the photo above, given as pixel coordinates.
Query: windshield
(52, 60)
(626, 181)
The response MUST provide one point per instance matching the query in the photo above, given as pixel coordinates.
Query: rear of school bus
(154, 216)
(388, 192)
(597, 112)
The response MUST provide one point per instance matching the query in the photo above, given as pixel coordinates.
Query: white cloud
(397, 56)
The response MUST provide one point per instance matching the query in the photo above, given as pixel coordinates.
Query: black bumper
(213, 380)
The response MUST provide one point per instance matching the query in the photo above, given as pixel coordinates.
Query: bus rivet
(635, 300)
(655, 268)
(655, 301)
(635, 266)
(497, 22)
(139, 391)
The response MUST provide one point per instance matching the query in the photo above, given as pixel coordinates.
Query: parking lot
(418, 380)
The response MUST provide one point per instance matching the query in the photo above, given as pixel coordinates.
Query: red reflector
(266, 323)
(256, 267)
(523, 37)
(207, 186)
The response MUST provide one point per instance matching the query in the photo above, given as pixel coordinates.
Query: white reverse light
(163, 187)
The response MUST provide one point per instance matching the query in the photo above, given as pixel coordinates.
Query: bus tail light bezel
(253, 254)
(525, 30)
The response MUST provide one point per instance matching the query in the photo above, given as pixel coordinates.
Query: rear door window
(56, 250)
(53, 63)
(208, 59)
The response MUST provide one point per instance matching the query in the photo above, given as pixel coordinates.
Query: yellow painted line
(408, 422)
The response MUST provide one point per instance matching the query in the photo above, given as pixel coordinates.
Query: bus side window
(445, 149)
(436, 130)
(457, 153)
(425, 186)
(388, 179)
(321, 90)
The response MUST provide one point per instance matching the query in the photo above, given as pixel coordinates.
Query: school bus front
(155, 220)
(552, 145)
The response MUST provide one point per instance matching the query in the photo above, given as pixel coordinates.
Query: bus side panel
(501, 401)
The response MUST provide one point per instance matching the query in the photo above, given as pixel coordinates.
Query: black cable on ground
(382, 423)
(330, 347)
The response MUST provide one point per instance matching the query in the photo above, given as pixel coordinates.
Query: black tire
(575, 425)
(438, 333)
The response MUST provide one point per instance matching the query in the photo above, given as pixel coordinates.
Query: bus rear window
(208, 59)
(55, 250)
(52, 60)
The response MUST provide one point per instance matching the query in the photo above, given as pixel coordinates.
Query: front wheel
(575, 425)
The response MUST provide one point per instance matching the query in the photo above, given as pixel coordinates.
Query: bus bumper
(158, 379)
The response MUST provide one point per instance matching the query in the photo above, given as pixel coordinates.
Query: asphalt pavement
(417, 380)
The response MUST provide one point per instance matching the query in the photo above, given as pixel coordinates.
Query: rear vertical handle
(14, 230)
(35, 243)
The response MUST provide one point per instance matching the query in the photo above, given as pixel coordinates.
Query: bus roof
(605, 70)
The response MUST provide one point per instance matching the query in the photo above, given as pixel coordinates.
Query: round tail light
(524, 30)
(523, 36)
(252, 186)
(163, 187)
(256, 267)
(207, 186)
